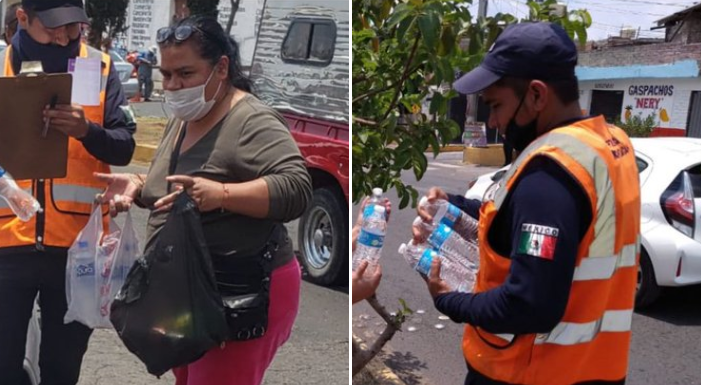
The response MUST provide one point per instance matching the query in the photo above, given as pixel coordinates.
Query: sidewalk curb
(143, 153)
(381, 374)
(452, 148)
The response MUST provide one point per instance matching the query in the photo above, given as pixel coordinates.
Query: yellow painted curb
(143, 153)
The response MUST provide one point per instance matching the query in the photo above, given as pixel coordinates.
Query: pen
(52, 105)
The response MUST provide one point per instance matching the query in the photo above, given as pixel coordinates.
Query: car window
(642, 165)
(309, 41)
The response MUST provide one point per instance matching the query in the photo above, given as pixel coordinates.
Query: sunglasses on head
(180, 33)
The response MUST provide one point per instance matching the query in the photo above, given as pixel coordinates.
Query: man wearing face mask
(33, 254)
(554, 296)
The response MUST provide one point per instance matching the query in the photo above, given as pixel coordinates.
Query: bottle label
(371, 240)
(424, 264)
(439, 236)
(84, 270)
(451, 216)
(367, 211)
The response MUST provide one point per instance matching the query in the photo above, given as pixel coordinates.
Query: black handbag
(169, 313)
(244, 285)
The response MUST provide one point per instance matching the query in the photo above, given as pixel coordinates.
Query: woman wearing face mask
(236, 158)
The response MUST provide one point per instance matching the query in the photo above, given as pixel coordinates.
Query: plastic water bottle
(447, 213)
(449, 243)
(420, 257)
(375, 199)
(83, 281)
(372, 237)
(21, 202)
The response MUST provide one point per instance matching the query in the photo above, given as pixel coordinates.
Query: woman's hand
(365, 285)
(433, 194)
(207, 194)
(121, 191)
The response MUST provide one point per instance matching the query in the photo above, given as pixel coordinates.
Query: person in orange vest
(559, 236)
(33, 254)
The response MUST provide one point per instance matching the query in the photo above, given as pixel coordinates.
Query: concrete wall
(663, 53)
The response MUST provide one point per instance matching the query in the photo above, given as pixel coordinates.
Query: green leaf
(405, 307)
(429, 25)
(401, 11)
(404, 27)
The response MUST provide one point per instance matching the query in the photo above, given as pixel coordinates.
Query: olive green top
(252, 141)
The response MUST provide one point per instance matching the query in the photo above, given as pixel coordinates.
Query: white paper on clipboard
(87, 74)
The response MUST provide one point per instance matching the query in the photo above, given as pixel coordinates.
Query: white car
(670, 182)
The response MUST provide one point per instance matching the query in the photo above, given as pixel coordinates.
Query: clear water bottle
(83, 281)
(420, 257)
(372, 237)
(21, 202)
(447, 213)
(375, 199)
(449, 243)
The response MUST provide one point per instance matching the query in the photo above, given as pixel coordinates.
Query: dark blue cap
(541, 51)
(56, 13)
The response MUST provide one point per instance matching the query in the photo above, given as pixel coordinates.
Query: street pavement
(154, 108)
(665, 343)
(317, 352)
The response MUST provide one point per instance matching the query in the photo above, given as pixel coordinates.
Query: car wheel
(647, 290)
(323, 239)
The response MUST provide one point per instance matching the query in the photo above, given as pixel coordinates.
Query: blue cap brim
(475, 81)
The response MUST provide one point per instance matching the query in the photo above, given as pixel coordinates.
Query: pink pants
(245, 362)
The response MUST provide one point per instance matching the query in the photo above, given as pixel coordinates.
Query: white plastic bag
(96, 268)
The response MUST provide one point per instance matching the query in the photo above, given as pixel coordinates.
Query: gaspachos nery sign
(645, 99)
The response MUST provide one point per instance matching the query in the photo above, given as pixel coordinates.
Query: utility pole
(482, 9)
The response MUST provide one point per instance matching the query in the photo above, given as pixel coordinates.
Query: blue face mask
(53, 57)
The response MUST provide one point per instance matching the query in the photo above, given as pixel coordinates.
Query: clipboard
(24, 152)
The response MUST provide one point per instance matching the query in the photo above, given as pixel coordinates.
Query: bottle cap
(402, 248)
(377, 192)
(423, 201)
(418, 221)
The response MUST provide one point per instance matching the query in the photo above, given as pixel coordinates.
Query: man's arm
(470, 206)
(534, 296)
(113, 143)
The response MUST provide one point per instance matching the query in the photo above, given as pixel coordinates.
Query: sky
(608, 16)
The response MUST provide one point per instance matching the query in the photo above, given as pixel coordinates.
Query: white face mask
(189, 104)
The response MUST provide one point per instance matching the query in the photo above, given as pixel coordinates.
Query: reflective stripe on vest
(571, 333)
(75, 193)
(604, 267)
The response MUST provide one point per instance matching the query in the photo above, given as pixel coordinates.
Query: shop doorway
(607, 103)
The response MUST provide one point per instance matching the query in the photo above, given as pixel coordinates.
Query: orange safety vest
(592, 339)
(66, 203)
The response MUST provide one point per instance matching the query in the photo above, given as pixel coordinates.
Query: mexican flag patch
(538, 241)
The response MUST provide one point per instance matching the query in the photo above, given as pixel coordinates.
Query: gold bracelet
(139, 182)
(224, 196)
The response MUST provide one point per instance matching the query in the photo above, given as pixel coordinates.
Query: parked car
(670, 180)
(127, 75)
(300, 68)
